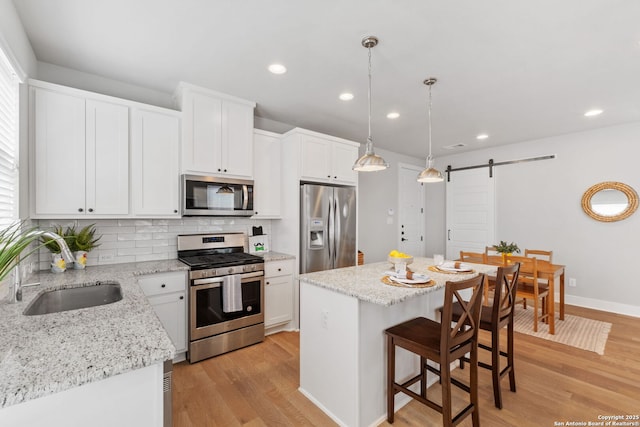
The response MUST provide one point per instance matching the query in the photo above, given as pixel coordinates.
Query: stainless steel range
(226, 297)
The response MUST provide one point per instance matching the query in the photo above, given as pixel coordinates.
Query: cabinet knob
(225, 170)
(256, 213)
(279, 269)
(335, 177)
(181, 297)
(80, 209)
(90, 209)
(175, 211)
(267, 283)
(219, 170)
(328, 176)
(163, 286)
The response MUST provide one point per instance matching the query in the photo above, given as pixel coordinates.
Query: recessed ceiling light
(482, 136)
(277, 68)
(393, 115)
(592, 113)
(346, 96)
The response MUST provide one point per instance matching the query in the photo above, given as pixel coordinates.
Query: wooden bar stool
(493, 320)
(441, 343)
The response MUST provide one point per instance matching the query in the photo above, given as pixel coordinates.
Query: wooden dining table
(548, 272)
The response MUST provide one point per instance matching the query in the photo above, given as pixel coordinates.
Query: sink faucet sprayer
(16, 294)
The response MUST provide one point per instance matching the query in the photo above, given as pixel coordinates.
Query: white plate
(462, 269)
(423, 279)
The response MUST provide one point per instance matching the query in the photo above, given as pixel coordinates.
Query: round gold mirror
(610, 201)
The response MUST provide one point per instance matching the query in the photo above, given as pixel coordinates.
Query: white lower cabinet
(167, 294)
(278, 292)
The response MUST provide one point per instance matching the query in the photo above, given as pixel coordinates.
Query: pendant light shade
(370, 162)
(430, 174)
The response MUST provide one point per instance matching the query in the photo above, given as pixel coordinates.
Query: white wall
(538, 205)
(377, 192)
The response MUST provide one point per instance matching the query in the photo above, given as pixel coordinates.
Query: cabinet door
(171, 309)
(344, 156)
(155, 168)
(202, 134)
(58, 128)
(237, 140)
(266, 175)
(107, 158)
(316, 158)
(278, 300)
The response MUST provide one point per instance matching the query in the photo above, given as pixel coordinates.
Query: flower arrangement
(507, 248)
(82, 240)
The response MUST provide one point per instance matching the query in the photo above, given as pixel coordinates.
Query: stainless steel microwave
(214, 196)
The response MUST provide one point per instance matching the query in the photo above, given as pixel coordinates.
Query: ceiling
(515, 70)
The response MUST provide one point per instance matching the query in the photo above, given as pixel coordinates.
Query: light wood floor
(257, 386)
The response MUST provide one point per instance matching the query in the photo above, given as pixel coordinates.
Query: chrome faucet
(16, 294)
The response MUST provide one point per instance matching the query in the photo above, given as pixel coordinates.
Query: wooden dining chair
(530, 288)
(479, 258)
(476, 257)
(540, 255)
(494, 320)
(443, 344)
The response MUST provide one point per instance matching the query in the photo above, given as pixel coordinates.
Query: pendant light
(430, 174)
(370, 162)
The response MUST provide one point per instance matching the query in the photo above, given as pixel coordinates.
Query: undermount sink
(73, 298)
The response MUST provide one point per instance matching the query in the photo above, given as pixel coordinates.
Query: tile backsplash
(135, 240)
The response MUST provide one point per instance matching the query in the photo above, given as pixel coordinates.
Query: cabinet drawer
(278, 268)
(157, 284)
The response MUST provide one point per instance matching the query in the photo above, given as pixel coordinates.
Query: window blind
(8, 142)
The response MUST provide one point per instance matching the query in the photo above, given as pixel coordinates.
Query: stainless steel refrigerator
(328, 227)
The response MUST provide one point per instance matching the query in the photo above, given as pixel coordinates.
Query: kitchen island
(101, 364)
(343, 314)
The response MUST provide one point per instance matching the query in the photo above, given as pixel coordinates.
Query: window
(8, 142)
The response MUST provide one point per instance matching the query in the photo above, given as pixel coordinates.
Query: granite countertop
(274, 256)
(45, 354)
(363, 281)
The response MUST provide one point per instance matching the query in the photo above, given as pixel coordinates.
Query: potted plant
(58, 264)
(506, 249)
(81, 242)
(14, 239)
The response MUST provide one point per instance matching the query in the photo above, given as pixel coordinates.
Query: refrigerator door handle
(336, 231)
(330, 241)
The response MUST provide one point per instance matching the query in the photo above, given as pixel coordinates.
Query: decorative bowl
(399, 260)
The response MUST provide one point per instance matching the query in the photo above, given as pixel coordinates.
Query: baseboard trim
(597, 304)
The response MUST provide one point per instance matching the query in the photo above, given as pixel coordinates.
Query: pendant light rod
(369, 42)
(430, 82)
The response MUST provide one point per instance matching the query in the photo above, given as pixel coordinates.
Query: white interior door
(470, 211)
(410, 211)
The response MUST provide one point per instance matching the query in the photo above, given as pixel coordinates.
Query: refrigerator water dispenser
(316, 233)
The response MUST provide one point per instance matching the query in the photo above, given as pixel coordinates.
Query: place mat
(387, 281)
(437, 270)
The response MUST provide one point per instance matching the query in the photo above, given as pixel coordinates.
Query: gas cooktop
(218, 260)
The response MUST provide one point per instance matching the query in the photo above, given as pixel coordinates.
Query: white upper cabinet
(266, 174)
(155, 169)
(327, 159)
(80, 165)
(217, 136)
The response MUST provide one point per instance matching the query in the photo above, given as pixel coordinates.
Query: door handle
(448, 234)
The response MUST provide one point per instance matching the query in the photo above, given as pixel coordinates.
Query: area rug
(580, 332)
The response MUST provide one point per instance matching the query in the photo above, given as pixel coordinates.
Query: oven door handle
(217, 281)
